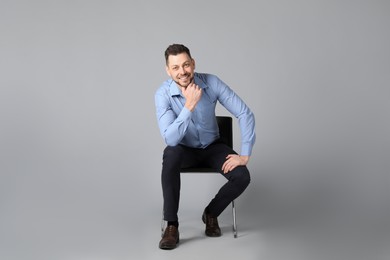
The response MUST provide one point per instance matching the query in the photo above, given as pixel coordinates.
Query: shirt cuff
(184, 114)
(246, 149)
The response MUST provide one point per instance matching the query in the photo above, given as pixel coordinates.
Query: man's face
(181, 69)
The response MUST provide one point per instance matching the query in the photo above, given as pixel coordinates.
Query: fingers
(193, 85)
(232, 161)
(196, 87)
(192, 90)
(228, 166)
(192, 93)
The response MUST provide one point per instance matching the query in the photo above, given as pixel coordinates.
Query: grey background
(80, 151)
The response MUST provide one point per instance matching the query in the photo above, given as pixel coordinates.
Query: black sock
(207, 211)
(173, 223)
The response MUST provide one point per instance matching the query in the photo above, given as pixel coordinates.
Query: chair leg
(162, 224)
(234, 220)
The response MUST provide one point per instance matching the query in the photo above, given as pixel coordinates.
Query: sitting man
(185, 108)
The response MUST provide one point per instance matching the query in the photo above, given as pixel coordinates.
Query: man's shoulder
(208, 78)
(164, 87)
(205, 76)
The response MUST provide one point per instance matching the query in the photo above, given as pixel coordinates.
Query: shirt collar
(175, 90)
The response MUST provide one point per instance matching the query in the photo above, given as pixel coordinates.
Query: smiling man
(185, 109)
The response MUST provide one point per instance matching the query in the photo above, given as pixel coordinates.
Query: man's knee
(172, 151)
(242, 177)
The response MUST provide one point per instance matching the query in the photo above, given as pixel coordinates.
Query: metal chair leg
(162, 224)
(234, 220)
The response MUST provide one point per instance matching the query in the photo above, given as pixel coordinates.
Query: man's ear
(193, 63)
(167, 70)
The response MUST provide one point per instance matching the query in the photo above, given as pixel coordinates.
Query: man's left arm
(246, 120)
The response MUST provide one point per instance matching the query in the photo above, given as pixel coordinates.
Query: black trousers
(177, 157)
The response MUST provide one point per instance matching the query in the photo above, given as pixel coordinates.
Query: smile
(184, 77)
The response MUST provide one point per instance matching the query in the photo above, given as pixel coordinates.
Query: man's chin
(183, 84)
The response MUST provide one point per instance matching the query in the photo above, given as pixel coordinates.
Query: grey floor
(99, 233)
(102, 218)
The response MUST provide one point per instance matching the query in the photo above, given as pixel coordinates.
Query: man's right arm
(172, 127)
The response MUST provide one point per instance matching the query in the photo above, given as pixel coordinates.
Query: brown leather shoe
(212, 227)
(170, 238)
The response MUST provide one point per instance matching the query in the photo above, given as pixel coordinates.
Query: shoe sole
(165, 247)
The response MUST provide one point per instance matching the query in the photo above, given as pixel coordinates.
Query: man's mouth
(184, 77)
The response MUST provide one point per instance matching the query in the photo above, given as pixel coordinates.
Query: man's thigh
(215, 155)
(182, 155)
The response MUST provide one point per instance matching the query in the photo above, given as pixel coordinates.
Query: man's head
(180, 66)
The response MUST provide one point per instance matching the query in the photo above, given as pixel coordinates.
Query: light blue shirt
(198, 129)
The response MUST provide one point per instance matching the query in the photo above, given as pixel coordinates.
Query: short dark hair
(175, 49)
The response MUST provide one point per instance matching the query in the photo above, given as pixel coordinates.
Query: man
(185, 107)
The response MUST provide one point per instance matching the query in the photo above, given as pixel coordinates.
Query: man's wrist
(244, 159)
(190, 107)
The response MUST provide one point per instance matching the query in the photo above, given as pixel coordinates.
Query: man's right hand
(192, 94)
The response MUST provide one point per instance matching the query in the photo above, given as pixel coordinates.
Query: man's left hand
(232, 161)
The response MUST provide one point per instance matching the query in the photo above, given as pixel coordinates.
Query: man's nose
(182, 70)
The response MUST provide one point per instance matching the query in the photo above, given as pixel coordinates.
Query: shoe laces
(170, 231)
